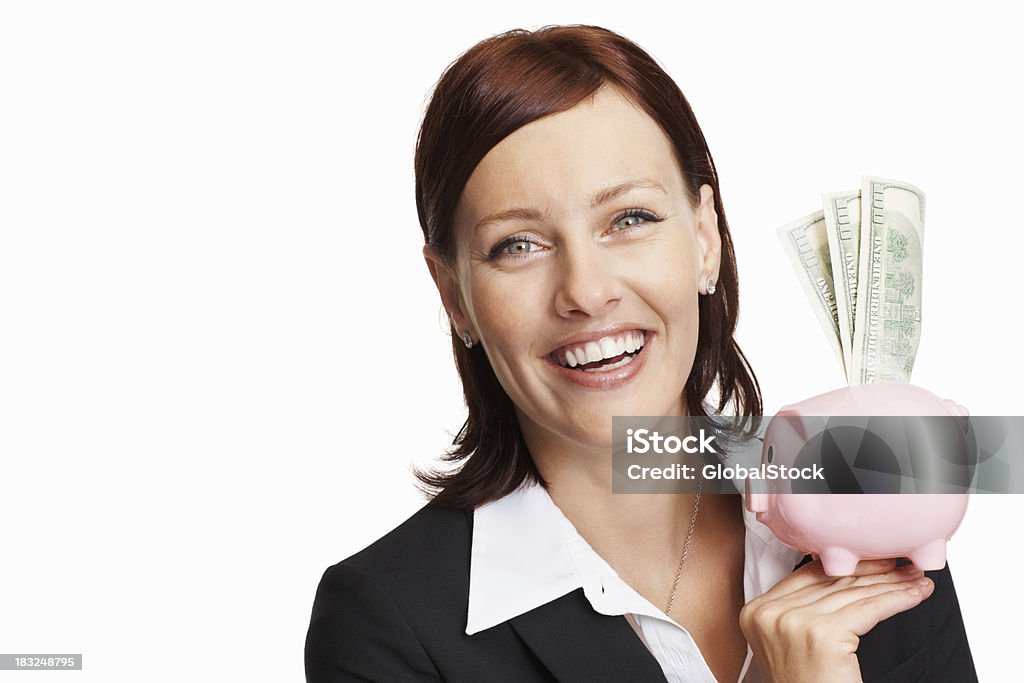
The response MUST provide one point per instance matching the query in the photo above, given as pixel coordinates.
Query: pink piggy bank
(842, 529)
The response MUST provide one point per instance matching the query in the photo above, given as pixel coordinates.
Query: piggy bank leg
(838, 561)
(930, 557)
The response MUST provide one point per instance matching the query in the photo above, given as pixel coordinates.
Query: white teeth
(606, 368)
(603, 349)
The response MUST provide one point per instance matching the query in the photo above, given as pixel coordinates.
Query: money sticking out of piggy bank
(844, 528)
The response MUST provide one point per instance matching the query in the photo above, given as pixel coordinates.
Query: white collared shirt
(526, 553)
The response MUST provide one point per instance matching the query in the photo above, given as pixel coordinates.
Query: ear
(709, 240)
(448, 287)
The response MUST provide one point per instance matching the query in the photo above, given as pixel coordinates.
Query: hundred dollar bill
(806, 243)
(842, 224)
(887, 324)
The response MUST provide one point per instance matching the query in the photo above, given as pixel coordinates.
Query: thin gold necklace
(686, 544)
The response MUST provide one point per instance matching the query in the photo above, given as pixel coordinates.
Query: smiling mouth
(603, 355)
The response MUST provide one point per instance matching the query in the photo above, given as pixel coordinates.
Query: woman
(575, 231)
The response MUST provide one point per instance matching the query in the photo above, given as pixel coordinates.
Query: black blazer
(396, 611)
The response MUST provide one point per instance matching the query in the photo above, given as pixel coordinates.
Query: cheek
(670, 272)
(683, 319)
(669, 285)
(504, 310)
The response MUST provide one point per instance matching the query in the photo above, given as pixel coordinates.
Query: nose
(587, 285)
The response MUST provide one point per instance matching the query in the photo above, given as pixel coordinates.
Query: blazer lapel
(577, 643)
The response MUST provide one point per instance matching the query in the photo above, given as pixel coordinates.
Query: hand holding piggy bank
(841, 528)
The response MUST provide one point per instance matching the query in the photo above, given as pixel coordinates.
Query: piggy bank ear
(955, 408)
(962, 413)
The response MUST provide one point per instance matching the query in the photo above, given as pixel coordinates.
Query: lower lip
(609, 379)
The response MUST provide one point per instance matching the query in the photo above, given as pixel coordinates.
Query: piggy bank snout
(758, 502)
(785, 436)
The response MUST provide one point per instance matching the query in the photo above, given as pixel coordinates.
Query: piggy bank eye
(770, 455)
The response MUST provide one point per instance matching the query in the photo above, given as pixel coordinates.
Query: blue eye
(633, 218)
(518, 247)
(513, 247)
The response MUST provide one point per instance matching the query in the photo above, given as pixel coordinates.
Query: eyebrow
(608, 194)
(602, 197)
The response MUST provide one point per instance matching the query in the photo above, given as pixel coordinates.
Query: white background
(220, 351)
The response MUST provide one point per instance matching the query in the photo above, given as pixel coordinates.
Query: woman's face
(578, 262)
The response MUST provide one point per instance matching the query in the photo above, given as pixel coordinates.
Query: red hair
(496, 87)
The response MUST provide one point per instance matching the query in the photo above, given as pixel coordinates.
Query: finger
(862, 615)
(812, 574)
(874, 566)
(838, 600)
(815, 592)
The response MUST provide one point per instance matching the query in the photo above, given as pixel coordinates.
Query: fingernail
(924, 582)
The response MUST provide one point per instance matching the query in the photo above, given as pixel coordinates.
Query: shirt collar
(526, 553)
